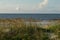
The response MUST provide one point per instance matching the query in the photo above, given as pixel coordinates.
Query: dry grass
(16, 29)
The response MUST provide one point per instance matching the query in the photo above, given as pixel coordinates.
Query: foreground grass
(23, 33)
(19, 31)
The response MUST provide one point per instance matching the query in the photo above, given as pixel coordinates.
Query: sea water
(34, 16)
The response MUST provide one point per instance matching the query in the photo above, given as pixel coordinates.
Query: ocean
(35, 16)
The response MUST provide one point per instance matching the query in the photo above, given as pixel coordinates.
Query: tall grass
(13, 29)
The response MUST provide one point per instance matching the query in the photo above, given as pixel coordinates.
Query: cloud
(43, 4)
(17, 8)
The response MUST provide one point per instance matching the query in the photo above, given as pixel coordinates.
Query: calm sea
(35, 16)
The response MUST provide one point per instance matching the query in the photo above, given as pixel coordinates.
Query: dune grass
(19, 31)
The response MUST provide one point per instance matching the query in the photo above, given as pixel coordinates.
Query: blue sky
(30, 6)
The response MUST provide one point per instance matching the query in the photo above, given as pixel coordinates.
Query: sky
(30, 6)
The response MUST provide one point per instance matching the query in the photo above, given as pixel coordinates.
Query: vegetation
(16, 29)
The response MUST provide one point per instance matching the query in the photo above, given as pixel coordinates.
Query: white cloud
(43, 4)
(17, 8)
